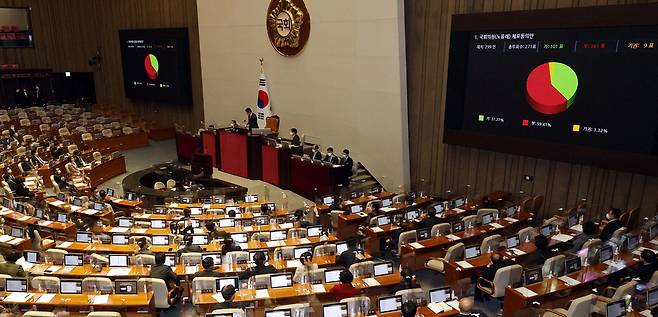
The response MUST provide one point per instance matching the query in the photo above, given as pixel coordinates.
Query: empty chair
(22, 115)
(159, 186)
(64, 131)
(400, 198)
(484, 211)
(80, 129)
(297, 233)
(441, 229)
(97, 127)
(46, 120)
(634, 218)
(98, 284)
(526, 205)
(406, 237)
(28, 138)
(373, 202)
(44, 127)
(470, 221)
(617, 293)
(39, 314)
(237, 256)
(362, 269)
(554, 265)
(25, 122)
(317, 275)
(297, 310)
(261, 236)
(72, 148)
(127, 130)
(416, 295)
(4, 118)
(537, 202)
(21, 150)
(160, 293)
(504, 277)
(171, 183)
(490, 243)
(144, 259)
(87, 137)
(97, 156)
(357, 306)
(115, 125)
(235, 312)
(334, 218)
(552, 221)
(56, 255)
(104, 314)
(619, 232)
(323, 250)
(581, 306)
(527, 234)
(106, 133)
(48, 284)
(454, 253)
(260, 281)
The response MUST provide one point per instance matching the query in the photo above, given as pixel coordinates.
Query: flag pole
(261, 64)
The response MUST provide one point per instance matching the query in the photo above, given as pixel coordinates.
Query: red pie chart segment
(551, 88)
(151, 66)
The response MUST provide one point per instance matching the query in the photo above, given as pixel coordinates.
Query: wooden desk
(79, 247)
(59, 205)
(124, 203)
(122, 142)
(416, 257)
(84, 301)
(107, 170)
(312, 179)
(23, 220)
(82, 271)
(423, 311)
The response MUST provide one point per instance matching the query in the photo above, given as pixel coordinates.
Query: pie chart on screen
(551, 87)
(151, 66)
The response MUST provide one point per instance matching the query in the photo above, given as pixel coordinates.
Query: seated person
(163, 272)
(208, 266)
(259, 268)
(349, 256)
(300, 221)
(10, 267)
(230, 246)
(142, 243)
(430, 220)
(301, 273)
(175, 292)
(71, 167)
(409, 309)
(542, 253)
(78, 160)
(315, 153)
(345, 289)
(466, 308)
(228, 293)
(613, 224)
(26, 165)
(61, 181)
(21, 190)
(189, 248)
(374, 209)
(589, 232)
(497, 262)
(408, 281)
(648, 265)
(330, 157)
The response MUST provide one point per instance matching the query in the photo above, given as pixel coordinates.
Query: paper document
(24, 218)
(319, 288)
(57, 203)
(119, 229)
(53, 269)
(45, 298)
(101, 299)
(65, 244)
(372, 282)
(452, 237)
(191, 269)
(5, 238)
(304, 241)
(45, 223)
(272, 244)
(119, 271)
(218, 297)
(436, 307)
(377, 229)
(293, 263)
(458, 210)
(206, 206)
(516, 251)
(262, 293)
(173, 205)
(75, 208)
(16, 241)
(562, 237)
(570, 281)
(140, 230)
(416, 245)
(18, 297)
(496, 225)
(578, 228)
(526, 292)
(464, 264)
(247, 228)
(285, 225)
(510, 219)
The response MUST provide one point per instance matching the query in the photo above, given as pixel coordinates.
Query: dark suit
(164, 273)
(609, 229)
(347, 258)
(429, 222)
(348, 163)
(537, 258)
(26, 166)
(207, 273)
(256, 270)
(316, 155)
(79, 161)
(253, 121)
(229, 304)
(296, 141)
(333, 159)
(190, 249)
(36, 160)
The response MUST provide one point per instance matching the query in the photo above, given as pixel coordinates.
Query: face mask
(330, 154)
(291, 134)
(608, 216)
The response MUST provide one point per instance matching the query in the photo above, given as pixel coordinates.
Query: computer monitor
(354, 195)
(383, 220)
(472, 252)
(109, 191)
(280, 280)
(334, 310)
(118, 260)
(616, 308)
(341, 247)
(83, 237)
(423, 234)
(441, 294)
(158, 224)
(253, 253)
(38, 213)
(633, 242)
(61, 197)
(572, 265)
(170, 260)
(279, 313)
(159, 210)
(487, 218)
(62, 217)
(411, 214)
(73, 259)
(252, 198)
(261, 220)
(195, 223)
(77, 201)
(226, 222)
(572, 220)
(457, 226)
(125, 287)
(99, 206)
(387, 202)
(215, 256)
(298, 251)
(199, 239)
(383, 268)
(389, 303)
(70, 286)
(356, 208)
(332, 275)
(328, 200)
(240, 237)
(195, 211)
(232, 208)
(314, 231)
(271, 206)
(218, 199)
(186, 199)
(438, 208)
(375, 190)
(20, 208)
(652, 297)
(513, 241)
(228, 280)
(458, 202)
(160, 240)
(121, 239)
(606, 253)
(278, 235)
(532, 276)
(6, 202)
(125, 222)
(16, 285)
(17, 232)
(131, 196)
(547, 230)
(32, 257)
(511, 211)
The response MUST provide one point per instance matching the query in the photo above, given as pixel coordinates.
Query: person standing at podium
(330, 157)
(296, 141)
(315, 154)
(252, 120)
(347, 161)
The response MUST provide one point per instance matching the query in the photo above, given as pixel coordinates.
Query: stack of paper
(218, 297)
(90, 211)
(16, 241)
(464, 264)
(287, 225)
(52, 269)
(5, 212)
(244, 246)
(119, 229)
(101, 299)
(247, 228)
(526, 292)
(387, 209)
(75, 208)
(510, 219)
(45, 223)
(272, 244)
(562, 237)
(119, 271)
(293, 263)
(416, 245)
(262, 293)
(57, 203)
(452, 237)
(191, 269)
(319, 288)
(18, 297)
(140, 230)
(24, 218)
(5, 238)
(458, 210)
(517, 251)
(496, 225)
(377, 229)
(568, 280)
(372, 282)
(65, 244)
(66, 269)
(45, 298)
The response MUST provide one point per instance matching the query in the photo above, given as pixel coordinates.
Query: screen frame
(565, 18)
(29, 23)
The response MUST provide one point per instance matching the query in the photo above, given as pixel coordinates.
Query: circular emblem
(288, 26)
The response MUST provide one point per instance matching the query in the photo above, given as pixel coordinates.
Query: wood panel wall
(67, 34)
(439, 167)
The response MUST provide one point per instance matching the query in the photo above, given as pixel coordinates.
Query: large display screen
(555, 91)
(156, 64)
(15, 27)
